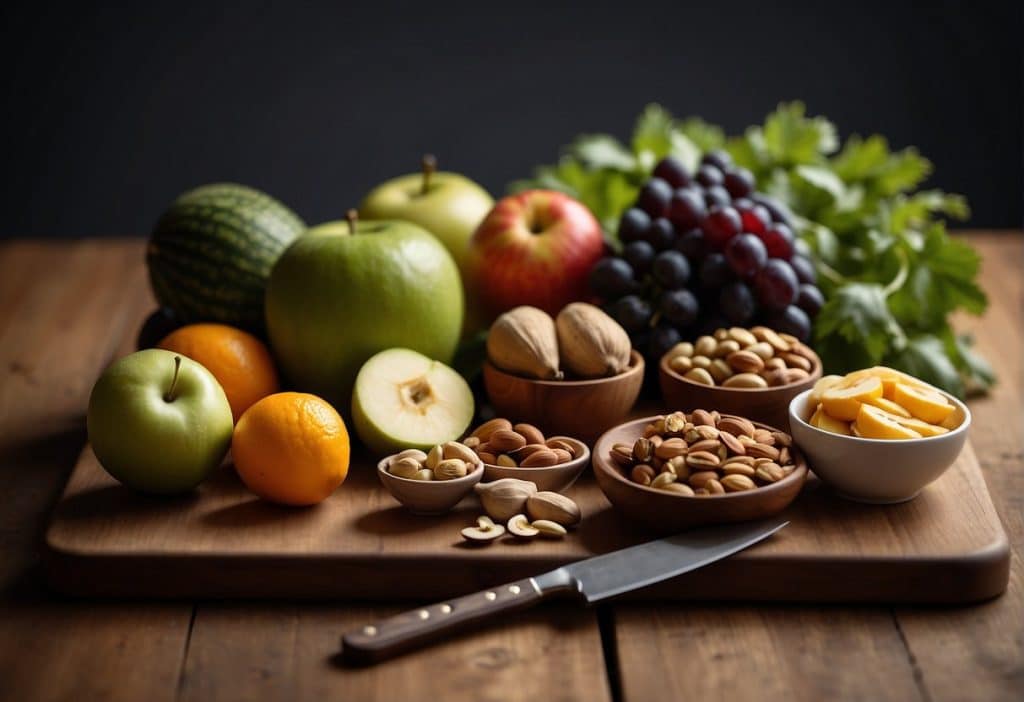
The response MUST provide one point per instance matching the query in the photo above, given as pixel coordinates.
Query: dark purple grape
(718, 158)
(717, 196)
(739, 182)
(672, 172)
(778, 239)
(776, 284)
(737, 303)
(611, 278)
(654, 197)
(663, 337)
(810, 299)
(708, 175)
(791, 320)
(679, 307)
(691, 243)
(639, 255)
(714, 271)
(778, 211)
(804, 269)
(755, 218)
(720, 225)
(671, 270)
(631, 312)
(633, 225)
(686, 209)
(746, 255)
(661, 234)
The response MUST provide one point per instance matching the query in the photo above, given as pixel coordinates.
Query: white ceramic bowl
(428, 497)
(877, 471)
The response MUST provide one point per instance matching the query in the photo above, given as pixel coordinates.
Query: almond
(540, 459)
(745, 362)
(737, 426)
(505, 440)
(484, 431)
(737, 483)
(532, 434)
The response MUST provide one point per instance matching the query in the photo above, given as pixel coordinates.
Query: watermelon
(211, 252)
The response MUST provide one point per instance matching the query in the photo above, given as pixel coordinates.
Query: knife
(593, 580)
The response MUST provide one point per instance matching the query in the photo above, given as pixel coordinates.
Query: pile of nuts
(444, 462)
(705, 453)
(744, 358)
(500, 443)
(526, 512)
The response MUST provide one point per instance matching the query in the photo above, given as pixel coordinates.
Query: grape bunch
(702, 251)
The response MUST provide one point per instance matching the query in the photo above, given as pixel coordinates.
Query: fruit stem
(429, 165)
(352, 216)
(169, 397)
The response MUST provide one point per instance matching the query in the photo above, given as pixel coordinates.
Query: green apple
(448, 205)
(159, 422)
(403, 399)
(347, 290)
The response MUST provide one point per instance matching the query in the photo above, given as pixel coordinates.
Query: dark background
(112, 111)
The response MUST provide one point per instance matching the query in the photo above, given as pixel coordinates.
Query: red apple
(535, 248)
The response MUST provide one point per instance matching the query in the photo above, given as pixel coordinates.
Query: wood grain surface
(945, 546)
(63, 308)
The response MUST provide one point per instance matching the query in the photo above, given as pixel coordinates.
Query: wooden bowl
(580, 408)
(425, 497)
(668, 512)
(769, 405)
(554, 478)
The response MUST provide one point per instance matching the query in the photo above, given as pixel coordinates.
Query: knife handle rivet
(370, 630)
(491, 596)
(423, 614)
(514, 589)
(446, 609)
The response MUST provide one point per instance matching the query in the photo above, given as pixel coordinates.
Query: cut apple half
(403, 399)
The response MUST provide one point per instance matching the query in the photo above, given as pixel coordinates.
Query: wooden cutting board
(945, 546)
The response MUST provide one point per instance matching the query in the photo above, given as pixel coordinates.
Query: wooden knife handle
(408, 630)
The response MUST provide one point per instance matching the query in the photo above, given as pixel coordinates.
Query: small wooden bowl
(580, 408)
(425, 497)
(554, 478)
(769, 405)
(668, 512)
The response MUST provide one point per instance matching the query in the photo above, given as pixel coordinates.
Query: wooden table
(65, 306)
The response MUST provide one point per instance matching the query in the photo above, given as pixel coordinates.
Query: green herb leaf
(858, 312)
(791, 138)
(925, 357)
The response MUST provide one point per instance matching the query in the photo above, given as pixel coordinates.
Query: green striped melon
(211, 252)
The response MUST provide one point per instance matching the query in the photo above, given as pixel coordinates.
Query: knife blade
(593, 579)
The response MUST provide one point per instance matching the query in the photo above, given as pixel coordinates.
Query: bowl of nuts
(522, 451)
(754, 372)
(431, 483)
(678, 471)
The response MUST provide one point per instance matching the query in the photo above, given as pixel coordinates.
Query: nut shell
(554, 507)
(504, 498)
(523, 341)
(591, 344)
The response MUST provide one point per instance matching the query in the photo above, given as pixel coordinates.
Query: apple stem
(169, 397)
(352, 216)
(429, 165)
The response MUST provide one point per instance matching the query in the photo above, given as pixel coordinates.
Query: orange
(291, 448)
(239, 361)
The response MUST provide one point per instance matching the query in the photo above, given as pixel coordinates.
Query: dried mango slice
(922, 428)
(874, 423)
(844, 402)
(888, 405)
(824, 383)
(923, 404)
(821, 420)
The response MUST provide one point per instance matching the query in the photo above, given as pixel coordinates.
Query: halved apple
(403, 399)
(924, 404)
(844, 402)
(874, 423)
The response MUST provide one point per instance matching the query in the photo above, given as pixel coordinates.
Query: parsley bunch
(890, 273)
